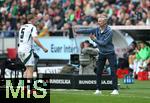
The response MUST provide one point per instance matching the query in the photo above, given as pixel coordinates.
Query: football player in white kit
(28, 35)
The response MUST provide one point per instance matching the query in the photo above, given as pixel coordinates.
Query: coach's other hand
(92, 36)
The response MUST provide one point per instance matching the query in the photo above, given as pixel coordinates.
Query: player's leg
(29, 63)
(28, 60)
(29, 72)
(25, 73)
(29, 76)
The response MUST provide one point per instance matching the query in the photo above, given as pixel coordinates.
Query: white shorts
(27, 58)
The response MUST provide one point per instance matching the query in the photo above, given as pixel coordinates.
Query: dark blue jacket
(103, 40)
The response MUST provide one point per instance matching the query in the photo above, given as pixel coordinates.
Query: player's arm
(36, 40)
(39, 44)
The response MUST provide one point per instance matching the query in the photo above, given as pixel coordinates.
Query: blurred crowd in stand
(136, 60)
(57, 15)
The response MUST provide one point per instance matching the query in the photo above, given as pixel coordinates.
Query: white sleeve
(34, 32)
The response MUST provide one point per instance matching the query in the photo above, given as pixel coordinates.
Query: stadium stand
(52, 15)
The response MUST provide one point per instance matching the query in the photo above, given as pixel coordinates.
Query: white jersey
(26, 33)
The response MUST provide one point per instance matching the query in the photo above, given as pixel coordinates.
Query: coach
(102, 36)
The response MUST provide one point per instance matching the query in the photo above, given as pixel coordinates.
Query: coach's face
(102, 21)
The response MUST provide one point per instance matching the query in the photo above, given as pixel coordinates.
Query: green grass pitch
(139, 92)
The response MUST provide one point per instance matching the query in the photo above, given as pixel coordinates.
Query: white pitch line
(120, 95)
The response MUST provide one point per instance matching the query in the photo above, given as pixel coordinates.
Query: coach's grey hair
(103, 16)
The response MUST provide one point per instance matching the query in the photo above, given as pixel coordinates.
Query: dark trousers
(100, 66)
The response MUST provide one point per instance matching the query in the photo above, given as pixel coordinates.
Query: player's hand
(92, 36)
(45, 50)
